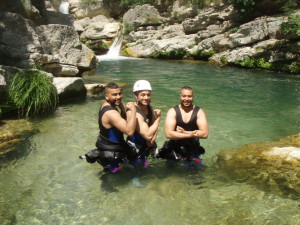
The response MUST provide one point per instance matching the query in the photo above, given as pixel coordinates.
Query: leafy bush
(33, 93)
(224, 60)
(88, 2)
(243, 6)
(178, 54)
(249, 8)
(292, 26)
(133, 3)
(203, 55)
(128, 28)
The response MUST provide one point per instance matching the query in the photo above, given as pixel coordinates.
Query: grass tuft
(33, 93)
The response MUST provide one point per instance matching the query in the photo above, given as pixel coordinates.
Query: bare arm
(122, 110)
(202, 124)
(114, 119)
(170, 127)
(148, 132)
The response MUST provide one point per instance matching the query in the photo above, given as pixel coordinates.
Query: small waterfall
(114, 50)
(64, 7)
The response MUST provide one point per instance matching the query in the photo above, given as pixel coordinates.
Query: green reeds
(33, 93)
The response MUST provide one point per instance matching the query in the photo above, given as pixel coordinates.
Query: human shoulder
(112, 111)
(171, 112)
(200, 112)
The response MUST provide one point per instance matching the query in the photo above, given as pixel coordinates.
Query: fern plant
(33, 93)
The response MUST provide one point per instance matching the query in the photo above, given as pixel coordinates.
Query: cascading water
(64, 7)
(114, 50)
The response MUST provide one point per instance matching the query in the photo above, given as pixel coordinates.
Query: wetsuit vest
(109, 139)
(137, 137)
(191, 125)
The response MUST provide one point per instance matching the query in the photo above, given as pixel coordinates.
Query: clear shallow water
(48, 184)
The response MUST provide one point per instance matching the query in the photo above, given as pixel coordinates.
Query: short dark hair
(187, 88)
(111, 85)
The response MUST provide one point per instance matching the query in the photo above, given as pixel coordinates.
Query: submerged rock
(13, 132)
(275, 163)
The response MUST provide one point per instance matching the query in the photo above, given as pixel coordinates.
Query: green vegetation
(33, 93)
(261, 63)
(233, 30)
(203, 55)
(248, 8)
(224, 60)
(128, 27)
(288, 67)
(251, 62)
(179, 54)
(245, 7)
(292, 26)
(133, 3)
(88, 2)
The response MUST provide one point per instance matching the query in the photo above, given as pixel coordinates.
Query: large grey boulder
(170, 39)
(214, 30)
(18, 40)
(181, 12)
(82, 9)
(63, 43)
(208, 17)
(69, 87)
(247, 34)
(23, 45)
(100, 27)
(141, 15)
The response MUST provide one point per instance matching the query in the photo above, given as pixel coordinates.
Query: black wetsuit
(111, 144)
(183, 148)
(139, 141)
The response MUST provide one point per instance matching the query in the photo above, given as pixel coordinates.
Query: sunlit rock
(273, 163)
(69, 87)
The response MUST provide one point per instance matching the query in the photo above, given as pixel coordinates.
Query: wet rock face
(275, 163)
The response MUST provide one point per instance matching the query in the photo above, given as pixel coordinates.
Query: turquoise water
(45, 182)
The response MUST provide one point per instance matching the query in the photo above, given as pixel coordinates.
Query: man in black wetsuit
(113, 124)
(146, 131)
(112, 150)
(185, 124)
(147, 122)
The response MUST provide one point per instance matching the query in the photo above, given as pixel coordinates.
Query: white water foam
(64, 7)
(114, 51)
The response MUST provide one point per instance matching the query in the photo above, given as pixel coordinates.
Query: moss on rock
(13, 132)
(274, 163)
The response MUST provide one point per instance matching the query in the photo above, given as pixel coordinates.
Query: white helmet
(142, 85)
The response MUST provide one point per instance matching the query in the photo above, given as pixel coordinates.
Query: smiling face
(186, 98)
(143, 97)
(113, 96)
